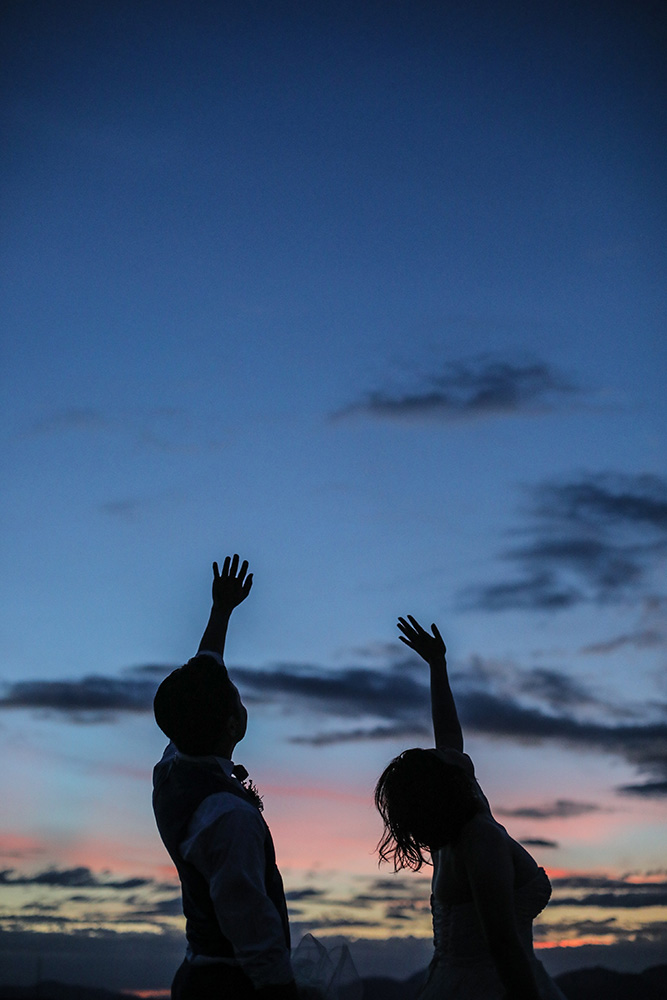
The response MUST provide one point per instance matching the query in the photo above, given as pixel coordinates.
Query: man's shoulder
(225, 818)
(169, 753)
(225, 803)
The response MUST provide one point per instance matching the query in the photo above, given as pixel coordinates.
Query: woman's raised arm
(431, 647)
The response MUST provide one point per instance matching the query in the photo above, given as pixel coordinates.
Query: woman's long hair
(423, 802)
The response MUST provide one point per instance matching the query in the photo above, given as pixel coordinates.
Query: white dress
(462, 967)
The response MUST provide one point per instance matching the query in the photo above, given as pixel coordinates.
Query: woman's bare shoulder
(482, 830)
(485, 842)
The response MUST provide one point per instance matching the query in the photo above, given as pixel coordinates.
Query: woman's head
(424, 801)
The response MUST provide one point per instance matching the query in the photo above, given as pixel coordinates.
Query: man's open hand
(232, 585)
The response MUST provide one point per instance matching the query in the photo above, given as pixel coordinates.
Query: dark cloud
(561, 809)
(595, 539)
(395, 890)
(352, 692)
(296, 895)
(399, 913)
(483, 387)
(577, 928)
(606, 499)
(607, 893)
(536, 591)
(171, 907)
(375, 902)
(391, 703)
(614, 900)
(328, 923)
(650, 789)
(71, 878)
(389, 706)
(644, 745)
(524, 705)
(395, 884)
(156, 671)
(91, 698)
(538, 842)
(388, 732)
(607, 884)
(349, 692)
(554, 688)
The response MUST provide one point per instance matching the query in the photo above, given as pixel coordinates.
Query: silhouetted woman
(486, 888)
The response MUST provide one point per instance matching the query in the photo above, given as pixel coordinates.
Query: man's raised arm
(230, 588)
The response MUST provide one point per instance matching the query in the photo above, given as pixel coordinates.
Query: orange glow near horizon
(604, 939)
(150, 994)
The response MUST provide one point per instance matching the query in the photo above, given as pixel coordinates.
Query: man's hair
(192, 705)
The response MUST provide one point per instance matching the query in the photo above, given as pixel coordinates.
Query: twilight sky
(373, 294)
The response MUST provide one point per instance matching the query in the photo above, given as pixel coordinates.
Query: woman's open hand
(429, 645)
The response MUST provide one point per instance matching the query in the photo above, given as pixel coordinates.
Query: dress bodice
(457, 932)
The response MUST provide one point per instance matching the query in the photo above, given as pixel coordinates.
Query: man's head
(199, 708)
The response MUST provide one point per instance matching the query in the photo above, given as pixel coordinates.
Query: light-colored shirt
(225, 842)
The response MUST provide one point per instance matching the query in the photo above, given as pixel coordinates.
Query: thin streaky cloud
(365, 734)
(595, 539)
(133, 509)
(541, 591)
(614, 900)
(172, 907)
(641, 639)
(608, 884)
(297, 895)
(160, 428)
(99, 697)
(648, 790)
(555, 688)
(72, 418)
(560, 809)
(651, 631)
(480, 388)
(124, 510)
(352, 691)
(71, 878)
(605, 499)
(649, 936)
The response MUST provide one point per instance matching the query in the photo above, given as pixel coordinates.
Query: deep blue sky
(373, 294)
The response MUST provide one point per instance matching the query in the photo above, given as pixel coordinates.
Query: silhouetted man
(236, 919)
